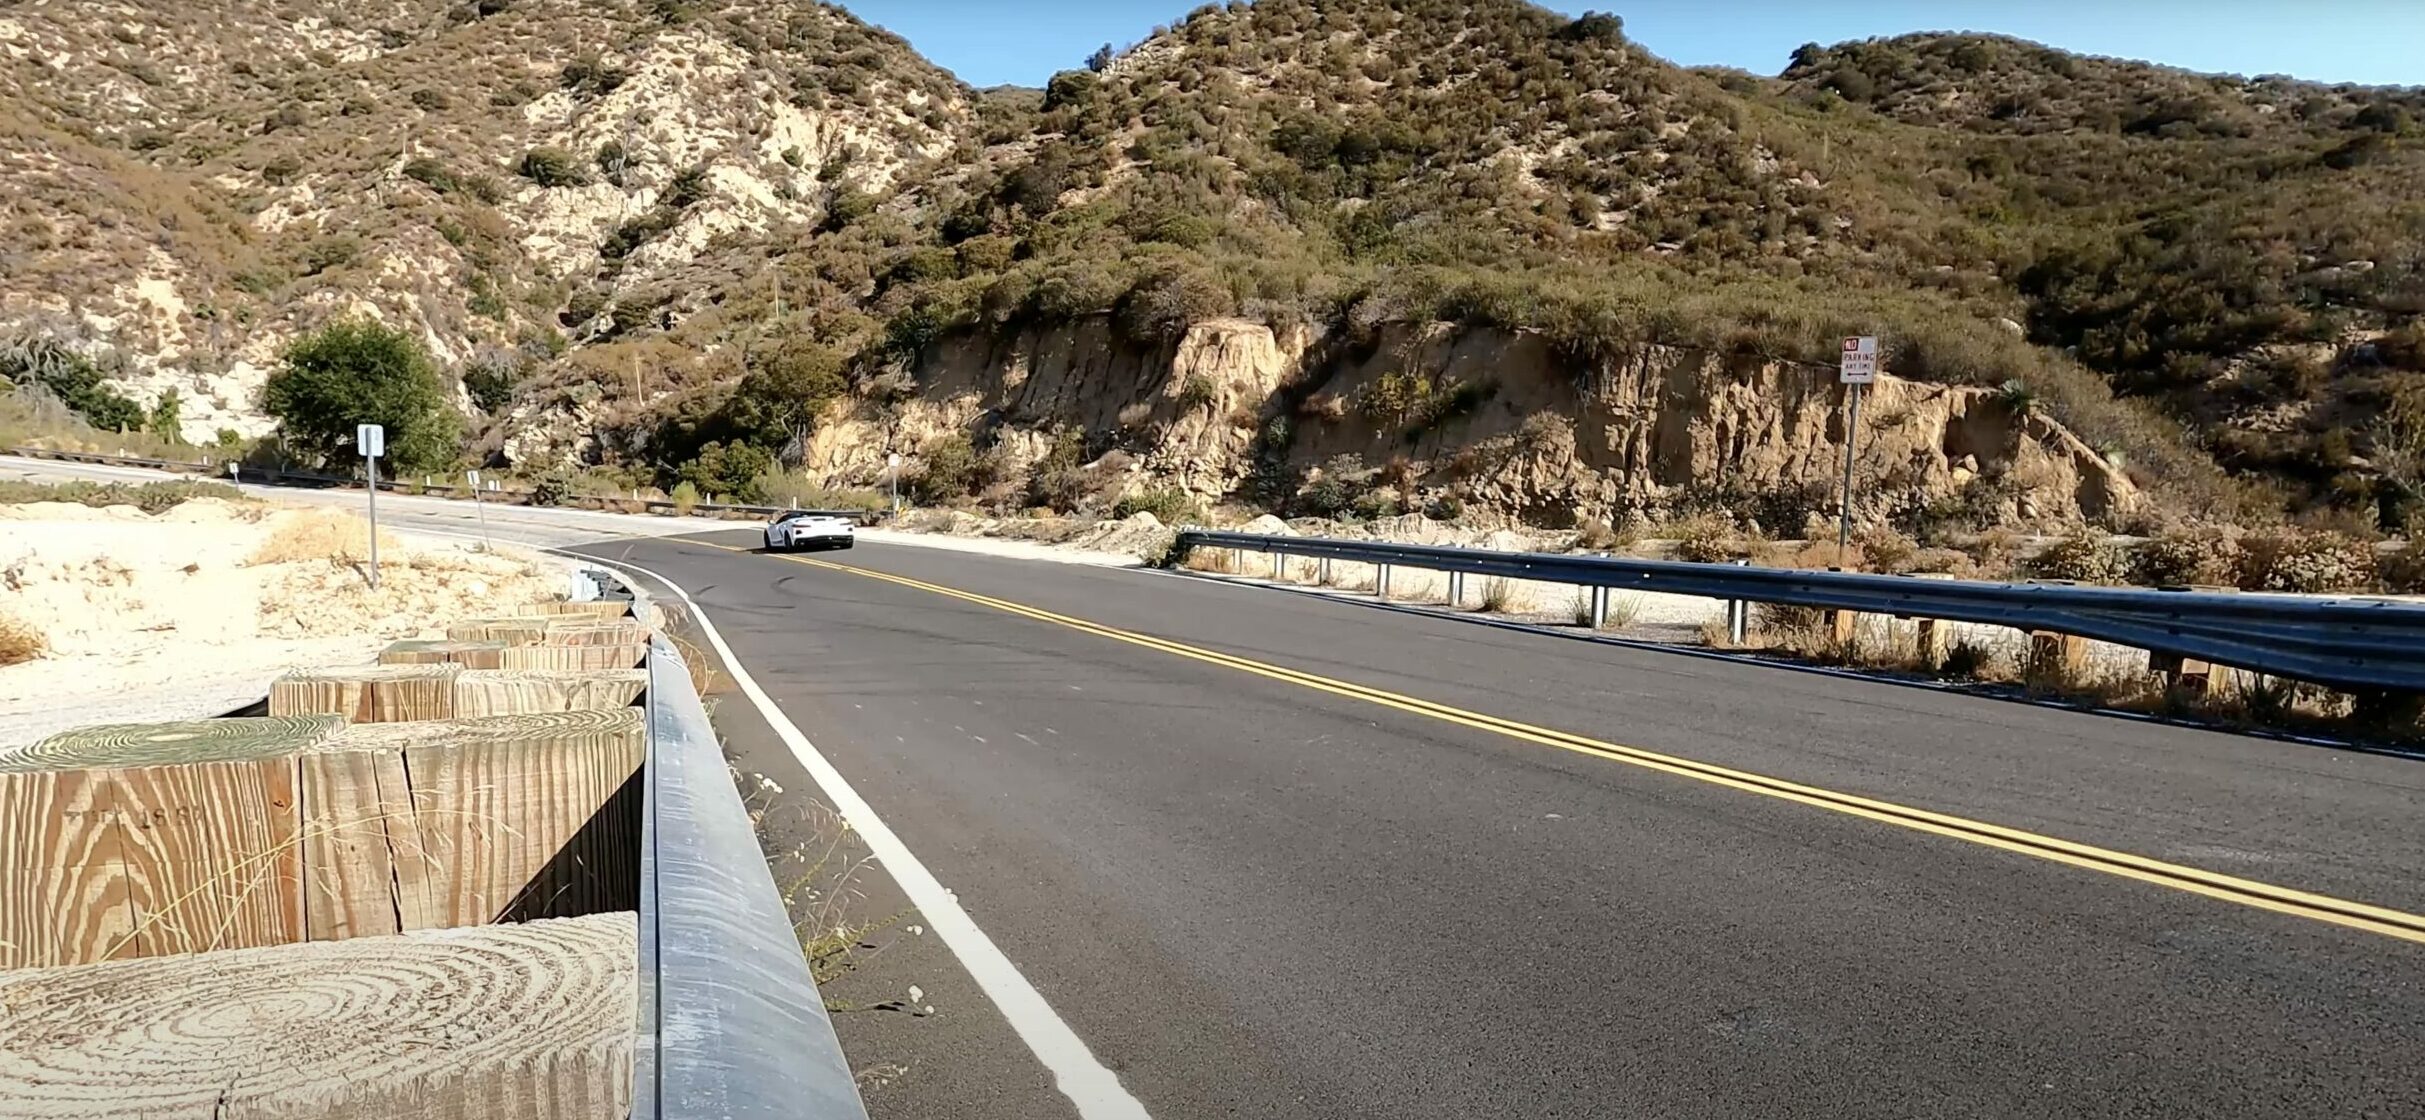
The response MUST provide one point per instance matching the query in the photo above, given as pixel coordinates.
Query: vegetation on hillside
(700, 222)
(354, 372)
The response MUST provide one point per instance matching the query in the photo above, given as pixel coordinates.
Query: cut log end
(115, 745)
(539, 1014)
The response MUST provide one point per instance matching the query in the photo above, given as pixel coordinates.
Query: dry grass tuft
(1498, 594)
(324, 534)
(19, 641)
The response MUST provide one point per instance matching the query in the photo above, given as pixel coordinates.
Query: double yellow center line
(2246, 892)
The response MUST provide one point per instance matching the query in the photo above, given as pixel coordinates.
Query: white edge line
(1094, 1089)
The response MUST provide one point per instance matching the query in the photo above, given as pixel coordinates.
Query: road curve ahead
(1277, 856)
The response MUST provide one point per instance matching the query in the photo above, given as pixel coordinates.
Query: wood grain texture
(572, 657)
(496, 692)
(626, 726)
(458, 822)
(532, 1020)
(154, 744)
(103, 864)
(511, 631)
(591, 633)
(511, 825)
(608, 609)
(470, 655)
(368, 694)
(350, 887)
(62, 879)
(211, 855)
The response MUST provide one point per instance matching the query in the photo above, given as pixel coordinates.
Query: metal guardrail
(2353, 644)
(731, 1025)
(271, 477)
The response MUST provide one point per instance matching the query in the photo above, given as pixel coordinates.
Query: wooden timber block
(533, 1020)
(368, 694)
(498, 692)
(591, 633)
(511, 631)
(2187, 674)
(1931, 642)
(462, 822)
(470, 655)
(102, 864)
(2055, 659)
(572, 657)
(607, 610)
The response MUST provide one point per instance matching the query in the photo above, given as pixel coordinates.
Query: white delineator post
(480, 510)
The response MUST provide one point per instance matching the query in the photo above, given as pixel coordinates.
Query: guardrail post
(1456, 589)
(1322, 571)
(1599, 607)
(1932, 641)
(1380, 582)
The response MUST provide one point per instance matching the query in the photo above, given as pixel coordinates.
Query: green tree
(164, 416)
(728, 472)
(785, 388)
(355, 372)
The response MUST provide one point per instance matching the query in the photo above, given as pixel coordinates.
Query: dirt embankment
(1500, 422)
(190, 612)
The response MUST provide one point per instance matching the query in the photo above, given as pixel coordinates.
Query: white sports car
(802, 529)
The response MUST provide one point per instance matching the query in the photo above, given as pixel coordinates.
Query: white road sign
(1860, 365)
(371, 440)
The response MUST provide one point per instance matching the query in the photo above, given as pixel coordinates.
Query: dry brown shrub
(320, 534)
(19, 641)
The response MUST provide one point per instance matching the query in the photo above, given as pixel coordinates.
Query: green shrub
(729, 472)
(1199, 391)
(685, 497)
(46, 364)
(1170, 506)
(1706, 540)
(2086, 556)
(949, 470)
(2187, 558)
(2403, 572)
(551, 167)
(150, 497)
(2308, 563)
(553, 488)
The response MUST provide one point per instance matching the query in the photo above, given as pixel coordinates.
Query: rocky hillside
(1433, 252)
(191, 189)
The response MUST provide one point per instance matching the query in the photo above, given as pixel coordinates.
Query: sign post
(481, 511)
(371, 439)
(1859, 368)
(892, 478)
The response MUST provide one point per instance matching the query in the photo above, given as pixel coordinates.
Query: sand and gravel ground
(191, 612)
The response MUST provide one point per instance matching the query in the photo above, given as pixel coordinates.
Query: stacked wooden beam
(369, 850)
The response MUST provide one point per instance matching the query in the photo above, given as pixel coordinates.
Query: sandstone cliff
(1498, 421)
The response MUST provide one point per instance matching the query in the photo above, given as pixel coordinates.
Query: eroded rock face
(1538, 437)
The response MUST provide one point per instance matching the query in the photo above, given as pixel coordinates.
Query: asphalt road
(1252, 895)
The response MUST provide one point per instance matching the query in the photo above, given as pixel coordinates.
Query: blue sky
(2379, 42)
